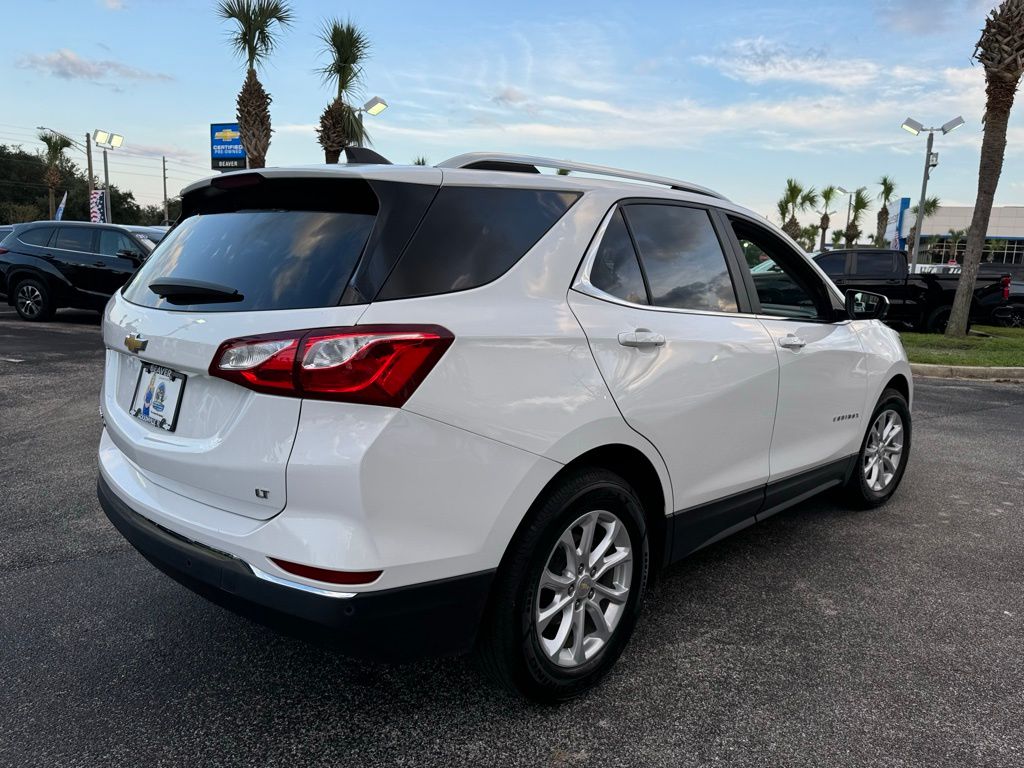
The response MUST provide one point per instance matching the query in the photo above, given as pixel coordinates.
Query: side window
(74, 239)
(112, 241)
(834, 264)
(471, 236)
(616, 270)
(36, 236)
(682, 258)
(786, 285)
(875, 264)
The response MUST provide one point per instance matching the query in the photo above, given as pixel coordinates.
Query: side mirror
(131, 256)
(864, 305)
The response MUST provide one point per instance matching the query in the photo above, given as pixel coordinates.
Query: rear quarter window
(471, 236)
(36, 235)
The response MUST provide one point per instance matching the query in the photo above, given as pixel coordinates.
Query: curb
(977, 372)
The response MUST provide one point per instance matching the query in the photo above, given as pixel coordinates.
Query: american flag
(97, 207)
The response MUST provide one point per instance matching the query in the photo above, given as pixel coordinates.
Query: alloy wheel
(583, 589)
(883, 451)
(29, 300)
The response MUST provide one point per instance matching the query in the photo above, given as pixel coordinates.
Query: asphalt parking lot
(823, 637)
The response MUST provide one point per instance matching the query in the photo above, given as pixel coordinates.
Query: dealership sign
(226, 150)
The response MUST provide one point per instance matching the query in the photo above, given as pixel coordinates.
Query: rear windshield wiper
(180, 291)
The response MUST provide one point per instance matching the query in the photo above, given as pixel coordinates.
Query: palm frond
(888, 188)
(256, 26)
(347, 47)
(55, 146)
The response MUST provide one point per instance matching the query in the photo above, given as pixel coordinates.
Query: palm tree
(888, 189)
(782, 207)
(563, 172)
(1000, 50)
(55, 146)
(956, 236)
(861, 202)
(931, 206)
(808, 237)
(837, 238)
(994, 246)
(796, 199)
(341, 125)
(419, 160)
(828, 194)
(254, 38)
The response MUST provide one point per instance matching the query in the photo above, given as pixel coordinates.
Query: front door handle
(641, 337)
(790, 341)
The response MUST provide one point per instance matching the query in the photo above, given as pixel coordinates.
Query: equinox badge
(135, 343)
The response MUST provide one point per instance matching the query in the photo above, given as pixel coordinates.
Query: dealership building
(1004, 241)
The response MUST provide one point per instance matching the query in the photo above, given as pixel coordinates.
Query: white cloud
(68, 65)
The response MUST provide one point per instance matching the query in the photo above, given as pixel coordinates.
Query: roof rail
(492, 161)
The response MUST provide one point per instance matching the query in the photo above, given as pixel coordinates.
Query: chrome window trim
(296, 585)
(583, 285)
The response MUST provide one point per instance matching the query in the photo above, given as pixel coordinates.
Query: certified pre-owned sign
(226, 150)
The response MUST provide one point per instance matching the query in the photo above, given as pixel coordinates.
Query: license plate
(158, 396)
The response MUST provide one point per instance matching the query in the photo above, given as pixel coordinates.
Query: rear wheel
(883, 453)
(569, 593)
(33, 301)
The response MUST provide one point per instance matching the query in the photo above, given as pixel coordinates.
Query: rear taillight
(327, 575)
(1006, 280)
(371, 364)
(3, 251)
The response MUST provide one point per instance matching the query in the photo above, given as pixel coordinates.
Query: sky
(737, 96)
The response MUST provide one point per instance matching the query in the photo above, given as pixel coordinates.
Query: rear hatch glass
(267, 259)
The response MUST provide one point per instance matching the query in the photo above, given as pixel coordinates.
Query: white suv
(475, 406)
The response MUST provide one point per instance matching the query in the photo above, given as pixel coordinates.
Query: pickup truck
(922, 300)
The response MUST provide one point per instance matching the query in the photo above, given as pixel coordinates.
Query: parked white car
(439, 409)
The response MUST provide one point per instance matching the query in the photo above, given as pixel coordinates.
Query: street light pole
(106, 188)
(88, 156)
(920, 205)
(930, 161)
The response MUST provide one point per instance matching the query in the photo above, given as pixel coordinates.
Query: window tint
(790, 288)
(616, 270)
(36, 236)
(275, 259)
(682, 257)
(471, 236)
(879, 264)
(834, 264)
(111, 242)
(74, 238)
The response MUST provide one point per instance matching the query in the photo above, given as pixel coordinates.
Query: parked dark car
(922, 301)
(45, 265)
(154, 234)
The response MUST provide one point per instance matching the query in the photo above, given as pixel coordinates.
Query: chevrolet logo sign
(226, 134)
(135, 343)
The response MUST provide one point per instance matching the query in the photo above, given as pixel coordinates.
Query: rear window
(277, 259)
(471, 236)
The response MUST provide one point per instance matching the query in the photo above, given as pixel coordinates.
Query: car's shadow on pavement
(63, 317)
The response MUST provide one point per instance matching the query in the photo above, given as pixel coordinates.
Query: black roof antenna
(364, 155)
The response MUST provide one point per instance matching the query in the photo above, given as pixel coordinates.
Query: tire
(938, 319)
(33, 300)
(864, 489)
(1014, 317)
(531, 656)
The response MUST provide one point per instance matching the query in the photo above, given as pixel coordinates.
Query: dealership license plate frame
(160, 376)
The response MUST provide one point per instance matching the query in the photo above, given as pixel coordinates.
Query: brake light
(326, 575)
(3, 251)
(1006, 279)
(371, 364)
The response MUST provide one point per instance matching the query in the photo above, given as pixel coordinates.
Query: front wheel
(883, 453)
(570, 590)
(32, 300)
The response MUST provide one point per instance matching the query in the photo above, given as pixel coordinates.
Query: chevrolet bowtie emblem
(135, 343)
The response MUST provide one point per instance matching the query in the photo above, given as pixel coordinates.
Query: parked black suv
(45, 265)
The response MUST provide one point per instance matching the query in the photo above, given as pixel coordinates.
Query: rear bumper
(431, 619)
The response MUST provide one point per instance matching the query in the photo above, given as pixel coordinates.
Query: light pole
(374, 107)
(930, 161)
(107, 140)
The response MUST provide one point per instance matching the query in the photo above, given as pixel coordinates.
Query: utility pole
(88, 155)
(106, 187)
(166, 214)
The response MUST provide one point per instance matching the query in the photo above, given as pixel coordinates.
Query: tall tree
(1000, 50)
(885, 194)
(828, 194)
(55, 146)
(341, 125)
(861, 202)
(796, 199)
(257, 26)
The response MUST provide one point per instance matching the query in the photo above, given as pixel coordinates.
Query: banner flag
(60, 208)
(98, 207)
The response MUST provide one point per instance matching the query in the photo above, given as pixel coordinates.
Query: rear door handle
(641, 337)
(792, 342)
